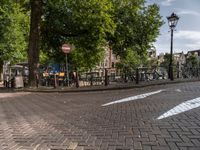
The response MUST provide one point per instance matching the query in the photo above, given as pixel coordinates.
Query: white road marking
(6, 95)
(133, 98)
(186, 106)
(178, 90)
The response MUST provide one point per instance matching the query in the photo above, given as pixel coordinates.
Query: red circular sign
(66, 48)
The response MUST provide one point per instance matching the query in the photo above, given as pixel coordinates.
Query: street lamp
(172, 21)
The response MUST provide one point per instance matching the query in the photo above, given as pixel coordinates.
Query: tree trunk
(34, 38)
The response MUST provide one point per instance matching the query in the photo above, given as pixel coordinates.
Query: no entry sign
(66, 48)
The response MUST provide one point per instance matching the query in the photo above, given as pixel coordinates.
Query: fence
(109, 76)
(114, 76)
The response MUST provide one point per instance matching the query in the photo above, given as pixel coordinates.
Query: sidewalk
(117, 86)
(105, 88)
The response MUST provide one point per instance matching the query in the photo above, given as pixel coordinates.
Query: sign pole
(67, 70)
(66, 49)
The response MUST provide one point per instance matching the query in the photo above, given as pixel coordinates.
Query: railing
(101, 77)
(137, 76)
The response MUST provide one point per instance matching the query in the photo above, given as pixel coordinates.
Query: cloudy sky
(187, 34)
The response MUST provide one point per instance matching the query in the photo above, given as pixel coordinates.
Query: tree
(166, 61)
(14, 32)
(137, 27)
(90, 26)
(34, 38)
(16, 36)
(82, 23)
(192, 61)
(14, 29)
(5, 21)
(131, 60)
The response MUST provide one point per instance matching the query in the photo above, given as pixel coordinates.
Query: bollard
(137, 76)
(106, 77)
(55, 81)
(77, 79)
(91, 80)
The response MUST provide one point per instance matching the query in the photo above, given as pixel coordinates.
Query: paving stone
(42, 121)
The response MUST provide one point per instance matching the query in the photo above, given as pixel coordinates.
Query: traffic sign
(66, 48)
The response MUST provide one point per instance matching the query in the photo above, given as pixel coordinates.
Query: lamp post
(172, 21)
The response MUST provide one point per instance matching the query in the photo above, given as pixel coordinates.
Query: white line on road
(178, 90)
(133, 98)
(186, 106)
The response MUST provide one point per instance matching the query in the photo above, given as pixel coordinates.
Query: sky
(187, 32)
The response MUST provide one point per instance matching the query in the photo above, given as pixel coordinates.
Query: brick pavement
(64, 121)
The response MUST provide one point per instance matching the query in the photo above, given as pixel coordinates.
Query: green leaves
(192, 61)
(91, 25)
(82, 23)
(14, 32)
(137, 27)
(127, 26)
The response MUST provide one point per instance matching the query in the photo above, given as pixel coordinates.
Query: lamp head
(172, 20)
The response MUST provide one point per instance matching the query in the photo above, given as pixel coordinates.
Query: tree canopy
(93, 25)
(14, 32)
(192, 61)
(82, 23)
(137, 27)
(128, 27)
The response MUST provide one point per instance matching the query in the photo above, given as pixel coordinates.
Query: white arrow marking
(132, 98)
(186, 106)
(178, 90)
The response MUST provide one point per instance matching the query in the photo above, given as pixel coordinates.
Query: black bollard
(137, 76)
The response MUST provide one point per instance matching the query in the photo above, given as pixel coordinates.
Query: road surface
(164, 117)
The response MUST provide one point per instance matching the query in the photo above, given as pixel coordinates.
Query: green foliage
(5, 21)
(151, 63)
(14, 32)
(131, 60)
(85, 60)
(82, 23)
(167, 61)
(44, 58)
(192, 61)
(127, 26)
(137, 27)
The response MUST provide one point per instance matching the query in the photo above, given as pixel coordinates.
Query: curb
(102, 88)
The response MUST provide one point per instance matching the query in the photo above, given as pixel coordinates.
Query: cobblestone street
(78, 121)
